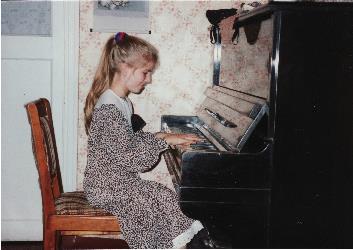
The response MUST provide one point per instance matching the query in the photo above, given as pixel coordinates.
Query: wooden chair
(63, 213)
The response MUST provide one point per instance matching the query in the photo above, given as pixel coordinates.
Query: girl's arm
(110, 133)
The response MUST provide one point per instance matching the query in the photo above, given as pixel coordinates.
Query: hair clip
(120, 36)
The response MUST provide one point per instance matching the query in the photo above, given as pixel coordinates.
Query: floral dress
(148, 212)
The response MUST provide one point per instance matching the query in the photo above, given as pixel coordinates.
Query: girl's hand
(179, 139)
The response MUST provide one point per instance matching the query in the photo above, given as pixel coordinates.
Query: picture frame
(129, 16)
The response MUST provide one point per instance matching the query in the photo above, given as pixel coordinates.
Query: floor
(15, 245)
(68, 242)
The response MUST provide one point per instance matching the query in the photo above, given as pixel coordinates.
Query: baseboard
(21, 230)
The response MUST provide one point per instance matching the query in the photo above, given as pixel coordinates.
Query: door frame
(65, 80)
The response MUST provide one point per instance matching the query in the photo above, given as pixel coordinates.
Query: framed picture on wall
(125, 15)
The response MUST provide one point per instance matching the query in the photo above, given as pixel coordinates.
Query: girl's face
(138, 78)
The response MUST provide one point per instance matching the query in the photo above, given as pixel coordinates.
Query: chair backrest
(45, 152)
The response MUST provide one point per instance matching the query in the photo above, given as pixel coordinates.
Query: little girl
(148, 212)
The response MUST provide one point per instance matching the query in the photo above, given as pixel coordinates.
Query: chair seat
(75, 203)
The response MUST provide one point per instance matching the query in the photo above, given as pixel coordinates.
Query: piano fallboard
(207, 168)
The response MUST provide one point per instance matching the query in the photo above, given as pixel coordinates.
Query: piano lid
(231, 116)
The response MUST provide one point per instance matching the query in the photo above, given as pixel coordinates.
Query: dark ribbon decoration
(215, 17)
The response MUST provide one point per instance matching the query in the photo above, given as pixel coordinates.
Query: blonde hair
(126, 49)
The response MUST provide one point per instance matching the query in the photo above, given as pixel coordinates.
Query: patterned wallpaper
(180, 30)
(254, 77)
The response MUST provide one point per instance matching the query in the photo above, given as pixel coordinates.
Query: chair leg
(50, 240)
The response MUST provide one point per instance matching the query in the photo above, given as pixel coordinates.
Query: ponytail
(101, 82)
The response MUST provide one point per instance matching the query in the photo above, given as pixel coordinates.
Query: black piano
(275, 166)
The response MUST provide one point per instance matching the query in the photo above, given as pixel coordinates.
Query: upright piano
(274, 168)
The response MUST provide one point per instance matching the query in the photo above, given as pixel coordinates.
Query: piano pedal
(202, 240)
(220, 245)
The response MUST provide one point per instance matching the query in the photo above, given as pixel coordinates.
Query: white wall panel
(26, 80)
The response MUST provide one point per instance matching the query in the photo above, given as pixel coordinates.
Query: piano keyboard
(207, 142)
